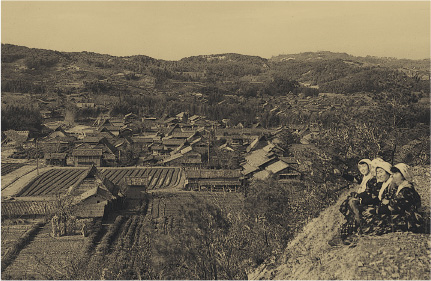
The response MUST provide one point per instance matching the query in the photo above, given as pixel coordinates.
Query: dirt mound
(391, 256)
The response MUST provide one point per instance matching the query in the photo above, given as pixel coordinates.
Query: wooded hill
(41, 71)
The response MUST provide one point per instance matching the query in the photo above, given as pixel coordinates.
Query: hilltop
(390, 256)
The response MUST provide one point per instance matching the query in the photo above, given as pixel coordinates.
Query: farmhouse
(87, 157)
(213, 180)
(94, 194)
(134, 187)
(57, 159)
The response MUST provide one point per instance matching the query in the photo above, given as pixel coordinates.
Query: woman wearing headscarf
(400, 202)
(371, 221)
(365, 196)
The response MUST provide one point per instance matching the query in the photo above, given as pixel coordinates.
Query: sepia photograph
(215, 140)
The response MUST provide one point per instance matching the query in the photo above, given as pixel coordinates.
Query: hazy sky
(173, 30)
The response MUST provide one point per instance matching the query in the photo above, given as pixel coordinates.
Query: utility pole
(37, 158)
(209, 141)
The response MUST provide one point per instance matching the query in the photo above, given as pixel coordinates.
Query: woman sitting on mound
(400, 203)
(366, 196)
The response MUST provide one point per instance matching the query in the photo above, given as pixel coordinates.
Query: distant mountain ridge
(38, 70)
(423, 64)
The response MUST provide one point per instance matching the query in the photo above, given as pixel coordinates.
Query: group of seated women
(385, 201)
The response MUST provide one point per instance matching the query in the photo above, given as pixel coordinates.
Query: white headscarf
(407, 174)
(387, 167)
(366, 177)
(374, 163)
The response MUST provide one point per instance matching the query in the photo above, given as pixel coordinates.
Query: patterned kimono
(368, 202)
(401, 213)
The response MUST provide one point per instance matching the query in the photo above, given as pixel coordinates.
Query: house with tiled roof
(213, 180)
(87, 157)
(266, 162)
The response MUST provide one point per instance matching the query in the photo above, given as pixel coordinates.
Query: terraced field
(59, 180)
(10, 234)
(7, 168)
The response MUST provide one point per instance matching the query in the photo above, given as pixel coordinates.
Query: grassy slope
(390, 256)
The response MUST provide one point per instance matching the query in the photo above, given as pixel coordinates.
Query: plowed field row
(59, 180)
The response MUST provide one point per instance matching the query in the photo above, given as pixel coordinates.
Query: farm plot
(158, 177)
(126, 248)
(10, 235)
(166, 209)
(52, 182)
(7, 168)
(46, 257)
(57, 181)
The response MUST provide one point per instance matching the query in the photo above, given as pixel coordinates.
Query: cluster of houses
(213, 156)
(191, 142)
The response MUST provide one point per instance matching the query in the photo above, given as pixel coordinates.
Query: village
(81, 173)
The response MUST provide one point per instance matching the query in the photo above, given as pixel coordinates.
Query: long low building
(214, 180)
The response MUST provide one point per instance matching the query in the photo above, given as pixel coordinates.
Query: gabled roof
(105, 130)
(259, 157)
(93, 172)
(104, 193)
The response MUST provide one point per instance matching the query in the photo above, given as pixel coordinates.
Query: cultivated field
(59, 180)
(7, 168)
(10, 233)
(45, 257)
